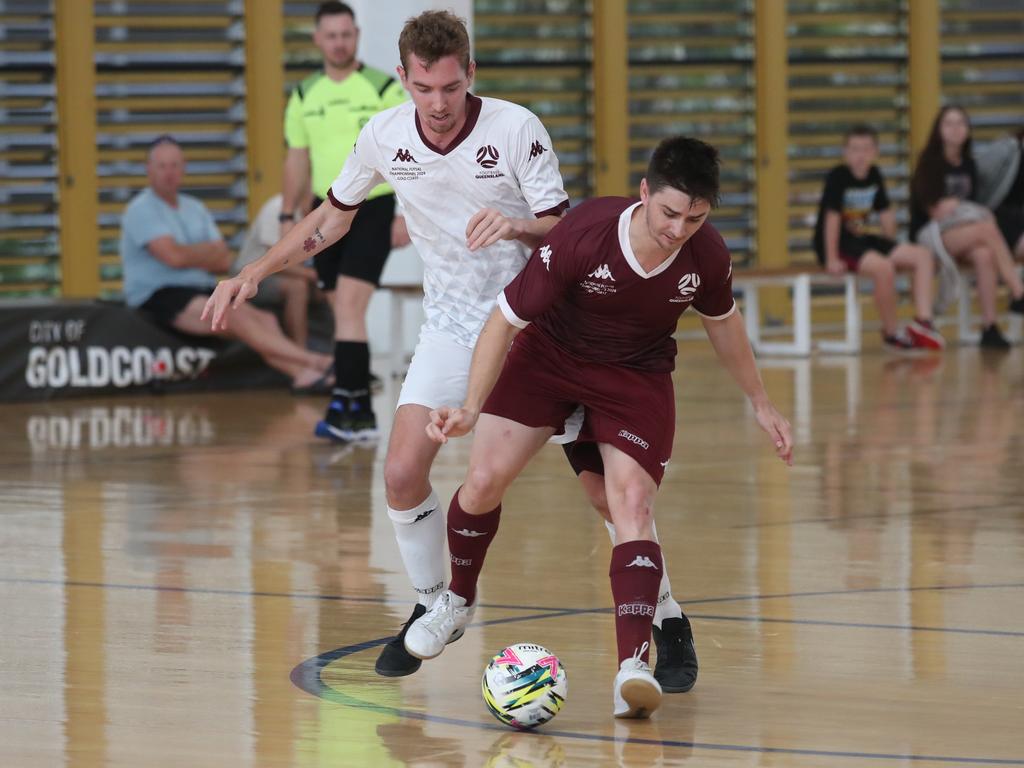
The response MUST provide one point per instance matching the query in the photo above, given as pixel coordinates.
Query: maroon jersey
(585, 290)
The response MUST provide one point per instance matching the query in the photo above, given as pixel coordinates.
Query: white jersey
(502, 159)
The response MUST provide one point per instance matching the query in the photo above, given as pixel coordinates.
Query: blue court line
(858, 625)
(307, 676)
(497, 606)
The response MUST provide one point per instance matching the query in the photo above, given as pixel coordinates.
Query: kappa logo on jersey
(598, 282)
(487, 156)
(537, 149)
(642, 561)
(403, 155)
(602, 273)
(545, 256)
(688, 285)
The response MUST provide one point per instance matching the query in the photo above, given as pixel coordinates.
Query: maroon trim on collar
(338, 204)
(473, 104)
(556, 211)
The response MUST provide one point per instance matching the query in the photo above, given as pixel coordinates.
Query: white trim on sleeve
(717, 317)
(511, 316)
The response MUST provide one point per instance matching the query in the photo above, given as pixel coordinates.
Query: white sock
(420, 533)
(667, 608)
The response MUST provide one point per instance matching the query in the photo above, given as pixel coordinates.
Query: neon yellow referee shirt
(325, 117)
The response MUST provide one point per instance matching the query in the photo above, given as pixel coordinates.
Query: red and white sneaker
(924, 335)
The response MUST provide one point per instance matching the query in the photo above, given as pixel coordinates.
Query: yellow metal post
(772, 108)
(76, 149)
(925, 71)
(611, 98)
(264, 87)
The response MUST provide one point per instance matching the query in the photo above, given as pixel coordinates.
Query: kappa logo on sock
(424, 515)
(469, 533)
(642, 561)
(463, 561)
(636, 609)
(430, 590)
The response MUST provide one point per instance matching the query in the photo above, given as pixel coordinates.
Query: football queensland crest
(688, 285)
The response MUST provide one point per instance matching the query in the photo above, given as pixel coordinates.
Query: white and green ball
(524, 686)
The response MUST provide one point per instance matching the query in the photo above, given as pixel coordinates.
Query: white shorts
(439, 375)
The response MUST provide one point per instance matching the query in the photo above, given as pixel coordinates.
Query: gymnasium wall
(84, 87)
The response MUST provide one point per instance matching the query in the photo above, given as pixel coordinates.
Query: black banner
(69, 349)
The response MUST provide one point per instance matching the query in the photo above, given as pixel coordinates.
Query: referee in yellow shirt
(324, 116)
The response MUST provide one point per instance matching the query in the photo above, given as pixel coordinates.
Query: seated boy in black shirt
(852, 192)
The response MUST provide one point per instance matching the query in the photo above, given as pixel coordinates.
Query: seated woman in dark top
(944, 184)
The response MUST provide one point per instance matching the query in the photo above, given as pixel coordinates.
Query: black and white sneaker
(676, 669)
(394, 660)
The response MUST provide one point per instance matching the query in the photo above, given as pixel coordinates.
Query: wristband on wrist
(285, 216)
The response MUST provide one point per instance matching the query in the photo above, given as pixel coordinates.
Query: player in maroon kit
(597, 305)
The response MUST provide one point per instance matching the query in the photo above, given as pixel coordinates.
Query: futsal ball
(524, 686)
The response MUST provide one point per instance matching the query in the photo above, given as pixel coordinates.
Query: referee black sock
(351, 367)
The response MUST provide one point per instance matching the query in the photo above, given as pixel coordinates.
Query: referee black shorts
(362, 252)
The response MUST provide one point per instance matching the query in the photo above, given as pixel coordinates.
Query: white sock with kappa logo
(421, 536)
(667, 607)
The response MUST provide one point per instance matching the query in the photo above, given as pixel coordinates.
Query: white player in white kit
(451, 158)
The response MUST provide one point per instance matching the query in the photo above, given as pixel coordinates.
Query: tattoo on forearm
(316, 240)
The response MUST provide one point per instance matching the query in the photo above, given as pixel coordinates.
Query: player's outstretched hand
(488, 226)
(778, 429)
(229, 294)
(448, 422)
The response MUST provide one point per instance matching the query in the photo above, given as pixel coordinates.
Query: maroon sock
(468, 539)
(636, 574)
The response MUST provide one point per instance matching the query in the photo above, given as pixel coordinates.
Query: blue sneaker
(348, 420)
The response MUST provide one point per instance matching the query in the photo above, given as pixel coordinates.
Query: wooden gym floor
(197, 581)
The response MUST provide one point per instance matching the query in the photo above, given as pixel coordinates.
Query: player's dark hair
(928, 185)
(686, 164)
(333, 8)
(861, 129)
(433, 35)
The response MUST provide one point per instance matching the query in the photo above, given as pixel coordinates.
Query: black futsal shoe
(394, 660)
(676, 669)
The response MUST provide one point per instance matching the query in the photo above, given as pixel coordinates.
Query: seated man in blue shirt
(171, 250)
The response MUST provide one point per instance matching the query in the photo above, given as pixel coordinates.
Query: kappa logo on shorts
(642, 561)
(545, 256)
(634, 439)
(688, 285)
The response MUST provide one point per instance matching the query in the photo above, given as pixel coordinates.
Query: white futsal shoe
(637, 693)
(443, 623)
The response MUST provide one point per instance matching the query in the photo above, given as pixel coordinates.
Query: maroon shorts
(634, 411)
